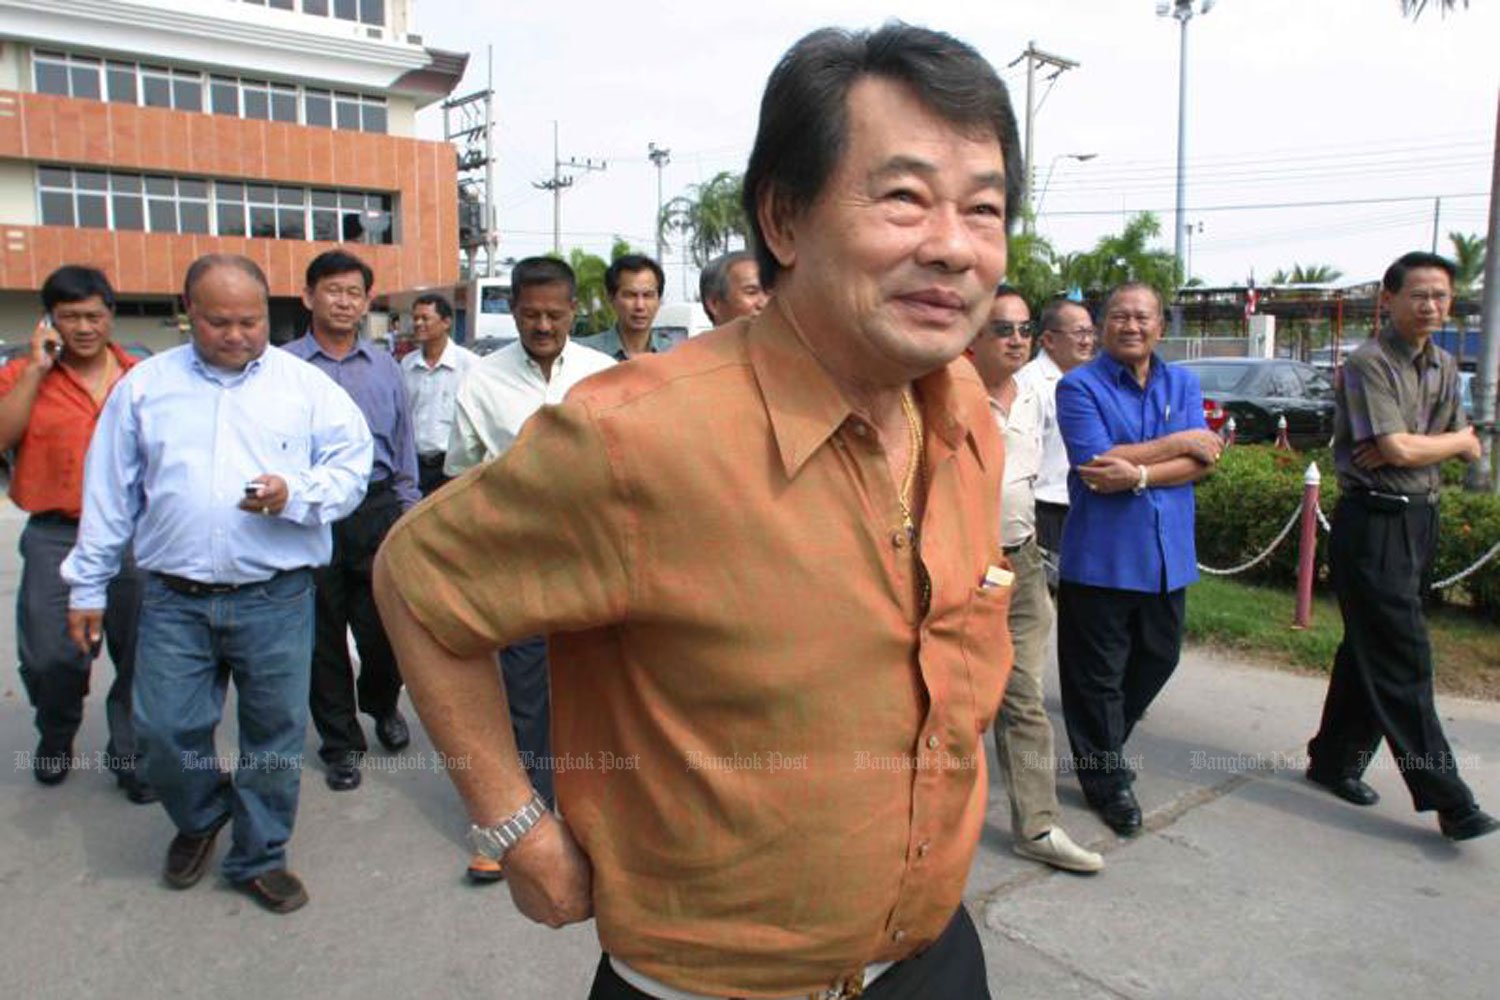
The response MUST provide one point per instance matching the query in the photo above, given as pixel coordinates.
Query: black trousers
(952, 969)
(1049, 525)
(430, 476)
(346, 603)
(1380, 553)
(523, 668)
(1115, 651)
(54, 671)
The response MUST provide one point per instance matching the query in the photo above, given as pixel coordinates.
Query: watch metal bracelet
(494, 841)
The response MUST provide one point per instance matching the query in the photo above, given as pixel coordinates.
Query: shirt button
(923, 848)
(932, 742)
(859, 430)
(898, 935)
(898, 539)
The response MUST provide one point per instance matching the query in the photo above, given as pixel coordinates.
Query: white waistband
(661, 991)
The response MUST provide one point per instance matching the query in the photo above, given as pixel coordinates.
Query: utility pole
(1482, 475)
(1437, 213)
(1035, 57)
(660, 157)
(1182, 11)
(557, 183)
(468, 123)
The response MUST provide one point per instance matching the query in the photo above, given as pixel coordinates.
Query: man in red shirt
(49, 403)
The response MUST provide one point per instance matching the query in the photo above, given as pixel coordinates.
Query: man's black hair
(74, 283)
(1395, 275)
(804, 126)
(535, 271)
(333, 262)
(1051, 318)
(632, 262)
(439, 304)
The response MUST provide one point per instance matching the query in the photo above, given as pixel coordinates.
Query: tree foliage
(710, 219)
(1468, 257)
(1031, 267)
(1125, 256)
(1306, 274)
(594, 311)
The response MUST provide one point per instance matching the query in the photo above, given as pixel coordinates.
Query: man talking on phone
(226, 462)
(50, 401)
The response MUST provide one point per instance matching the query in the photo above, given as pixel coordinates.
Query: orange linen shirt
(772, 757)
(49, 459)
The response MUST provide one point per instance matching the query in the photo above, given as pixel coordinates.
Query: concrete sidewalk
(1248, 882)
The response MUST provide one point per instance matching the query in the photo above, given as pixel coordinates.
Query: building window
(96, 199)
(184, 90)
(346, 10)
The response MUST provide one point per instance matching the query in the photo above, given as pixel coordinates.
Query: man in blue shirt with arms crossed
(225, 462)
(1137, 441)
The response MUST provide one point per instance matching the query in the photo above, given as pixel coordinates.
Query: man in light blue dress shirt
(225, 463)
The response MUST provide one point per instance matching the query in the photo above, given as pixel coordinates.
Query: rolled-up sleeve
(537, 541)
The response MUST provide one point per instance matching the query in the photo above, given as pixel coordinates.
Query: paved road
(1247, 883)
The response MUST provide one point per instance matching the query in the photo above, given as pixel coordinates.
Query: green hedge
(1249, 497)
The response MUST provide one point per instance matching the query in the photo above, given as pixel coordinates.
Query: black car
(1256, 391)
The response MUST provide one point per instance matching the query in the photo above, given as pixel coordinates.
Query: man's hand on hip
(86, 628)
(550, 879)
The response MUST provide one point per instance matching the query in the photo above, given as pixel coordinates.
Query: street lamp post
(660, 157)
(1182, 11)
(1042, 195)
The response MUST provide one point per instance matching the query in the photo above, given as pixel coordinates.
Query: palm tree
(1468, 256)
(1413, 8)
(1121, 258)
(594, 312)
(1306, 274)
(709, 219)
(1031, 266)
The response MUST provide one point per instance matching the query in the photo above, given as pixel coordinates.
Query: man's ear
(777, 225)
(307, 297)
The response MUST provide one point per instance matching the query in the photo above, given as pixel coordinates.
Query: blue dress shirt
(1123, 540)
(175, 445)
(373, 379)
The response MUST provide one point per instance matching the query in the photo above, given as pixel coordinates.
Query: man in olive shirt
(1397, 419)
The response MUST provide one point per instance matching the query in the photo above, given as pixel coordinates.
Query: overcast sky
(1289, 101)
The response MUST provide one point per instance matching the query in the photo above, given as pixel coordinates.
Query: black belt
(1390, 501)
(55, 517)
(194, 588)
(1011, 550)
(432, 458)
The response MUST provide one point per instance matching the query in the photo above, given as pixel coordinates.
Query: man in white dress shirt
(432, 374)
(1023, 733)
(1068, 340)
(495, 399)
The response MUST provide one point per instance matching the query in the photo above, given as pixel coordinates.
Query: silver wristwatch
(493, 841)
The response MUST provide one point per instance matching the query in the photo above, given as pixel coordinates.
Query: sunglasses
(1009, 328)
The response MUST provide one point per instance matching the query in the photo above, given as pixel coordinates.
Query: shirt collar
(1119, 373)
(448, 359)
(1397, 345)
(804, 404)
(219, 377)
(361, 346)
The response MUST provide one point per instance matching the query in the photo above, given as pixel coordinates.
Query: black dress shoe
(1120, 812)
(50, 764)
(343, 774)
(188, 856)
(1349, 789)
(135, 789)
(278, 891)
(392, 732)
(1466, 823)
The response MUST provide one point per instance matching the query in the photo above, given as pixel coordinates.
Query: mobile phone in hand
(253, 490)
(53, 346)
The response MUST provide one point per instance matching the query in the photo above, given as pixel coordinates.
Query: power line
(1270, 205)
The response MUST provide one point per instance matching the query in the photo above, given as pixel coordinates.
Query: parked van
(681, 320)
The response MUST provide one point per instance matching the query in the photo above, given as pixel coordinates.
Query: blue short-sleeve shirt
(1123, 540)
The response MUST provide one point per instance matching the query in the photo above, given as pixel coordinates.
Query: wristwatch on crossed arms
(494, 841)
(1143, 482)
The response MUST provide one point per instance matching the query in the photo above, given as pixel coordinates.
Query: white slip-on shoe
(1057, 849)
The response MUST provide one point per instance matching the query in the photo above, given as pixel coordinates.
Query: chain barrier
(1456, 577)
(1323, 520)
(1296, 513)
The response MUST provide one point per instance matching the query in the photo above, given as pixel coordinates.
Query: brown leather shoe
(277, 890)
(188, 856)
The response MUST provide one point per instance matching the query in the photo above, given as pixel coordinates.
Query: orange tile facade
(82, 133)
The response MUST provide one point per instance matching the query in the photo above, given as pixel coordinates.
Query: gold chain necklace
(914, 461)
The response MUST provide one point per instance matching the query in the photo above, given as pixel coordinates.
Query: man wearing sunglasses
(1023, 733)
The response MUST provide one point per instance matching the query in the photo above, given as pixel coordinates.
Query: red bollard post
(1307, 552)
(1283, 443)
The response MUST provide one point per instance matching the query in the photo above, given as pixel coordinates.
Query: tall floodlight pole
(1183, 11)
(660, 157)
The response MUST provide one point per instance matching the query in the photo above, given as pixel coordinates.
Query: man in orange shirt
(49, 403)
(769, 566)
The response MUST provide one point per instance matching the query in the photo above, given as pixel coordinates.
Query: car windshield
(1220, 378)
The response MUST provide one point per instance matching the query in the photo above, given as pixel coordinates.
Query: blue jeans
(189, 648)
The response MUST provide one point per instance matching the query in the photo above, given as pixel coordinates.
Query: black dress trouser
(1380, 552)
(344, 603)
(952, 969)
(1116, 649)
